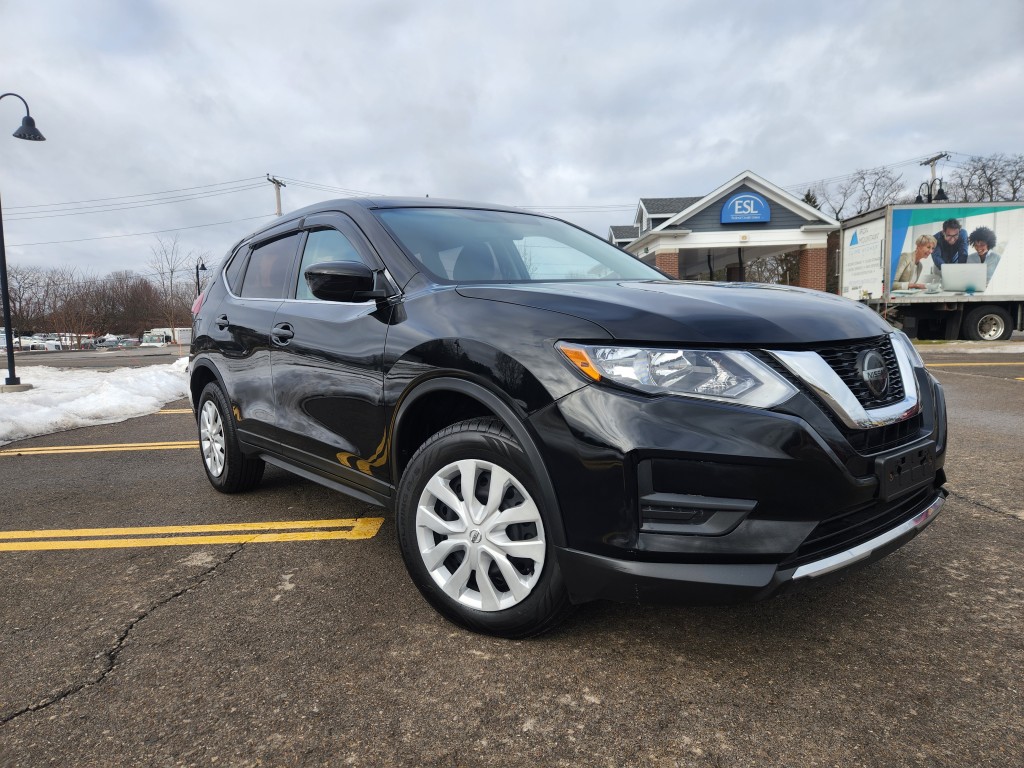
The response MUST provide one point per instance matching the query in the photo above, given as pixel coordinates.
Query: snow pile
(65, 398)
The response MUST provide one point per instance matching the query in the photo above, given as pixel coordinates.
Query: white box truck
(895, 259)
(161, 337)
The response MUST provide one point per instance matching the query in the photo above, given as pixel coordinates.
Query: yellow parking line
(51, 449)
(967, 365)
(176, 410)
(70, 533)
(359, 528)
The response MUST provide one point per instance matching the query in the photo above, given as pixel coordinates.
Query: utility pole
(278, 183)
(930, 161)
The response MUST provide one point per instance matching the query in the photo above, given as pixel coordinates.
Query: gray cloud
(529, 103)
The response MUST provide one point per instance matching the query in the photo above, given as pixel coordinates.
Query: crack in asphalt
(982, 504)
(112, 654)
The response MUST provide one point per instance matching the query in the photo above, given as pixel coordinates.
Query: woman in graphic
(910, 265)
(984, 240)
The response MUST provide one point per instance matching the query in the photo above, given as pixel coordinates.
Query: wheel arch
(445, 400)
(202, 374)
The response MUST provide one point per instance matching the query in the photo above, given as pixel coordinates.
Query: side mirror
(344, 281)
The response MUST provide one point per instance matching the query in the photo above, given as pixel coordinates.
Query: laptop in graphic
(964, 278)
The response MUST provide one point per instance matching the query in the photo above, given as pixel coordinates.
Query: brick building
(746, 219)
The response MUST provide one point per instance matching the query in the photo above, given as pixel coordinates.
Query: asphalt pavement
(319, 651)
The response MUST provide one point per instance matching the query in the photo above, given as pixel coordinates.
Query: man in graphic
(951, 247)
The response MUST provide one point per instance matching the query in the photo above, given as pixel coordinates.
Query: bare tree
(1015, 178)
(26, 289)
(835, 197)
(780, 269)
(864, 191)
(172, 265)
(993, 178)
(129, 303)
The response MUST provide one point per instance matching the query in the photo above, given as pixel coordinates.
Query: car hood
(702, 313)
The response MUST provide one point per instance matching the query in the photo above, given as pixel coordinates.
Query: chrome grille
(842, 358)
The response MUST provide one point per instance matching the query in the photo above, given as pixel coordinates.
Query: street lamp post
(200, 266)
(29, 132)
(926, 195)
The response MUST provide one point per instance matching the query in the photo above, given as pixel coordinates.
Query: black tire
(228, 469)
(508, 595)
(988, 323)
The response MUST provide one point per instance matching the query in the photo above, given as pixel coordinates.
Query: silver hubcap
(990, 327)
(211, 438)
(480, 535)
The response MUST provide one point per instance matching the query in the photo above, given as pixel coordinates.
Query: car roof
(360, 204)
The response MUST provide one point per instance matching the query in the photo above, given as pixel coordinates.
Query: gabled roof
(659, 206)
(622, 232)
(759, 184)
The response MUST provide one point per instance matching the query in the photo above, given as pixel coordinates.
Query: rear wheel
(228, 469)
(988, 323)
(471, 526)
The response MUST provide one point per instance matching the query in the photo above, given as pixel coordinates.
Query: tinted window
(455, 244)
(266, 277)
(233, 273)
(323, 245)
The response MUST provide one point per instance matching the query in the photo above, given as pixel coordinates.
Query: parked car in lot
(41, 342)
(550, 420)
(128, 344)
(106, 343)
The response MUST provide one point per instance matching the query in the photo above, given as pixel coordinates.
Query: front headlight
(724, 375)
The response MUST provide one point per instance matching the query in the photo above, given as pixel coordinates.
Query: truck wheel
(471, 527)
(228, 469)
(988, 323)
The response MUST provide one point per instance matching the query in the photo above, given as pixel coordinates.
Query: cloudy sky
(577, 108)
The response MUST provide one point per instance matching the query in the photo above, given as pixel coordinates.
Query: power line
(845, 177)
(597, 208)
(139, 234)
(150, 204)
(141, 194)
(329, 188)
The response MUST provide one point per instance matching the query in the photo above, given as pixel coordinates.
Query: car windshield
(468, 245)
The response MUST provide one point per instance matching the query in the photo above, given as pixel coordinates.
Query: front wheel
(471, 527)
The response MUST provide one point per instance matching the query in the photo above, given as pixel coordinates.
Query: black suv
(552, 421)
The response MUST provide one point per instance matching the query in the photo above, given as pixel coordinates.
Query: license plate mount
(905, 471)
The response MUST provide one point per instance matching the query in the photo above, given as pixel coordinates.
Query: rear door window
(270, 267)
(233, 273)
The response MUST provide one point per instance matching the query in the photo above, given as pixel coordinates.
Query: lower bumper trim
(862, 551)
(595, 577)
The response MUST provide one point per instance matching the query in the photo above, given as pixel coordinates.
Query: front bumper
(671, 498)
(591, 577)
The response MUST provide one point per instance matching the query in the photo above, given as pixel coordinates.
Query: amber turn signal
(578, 357)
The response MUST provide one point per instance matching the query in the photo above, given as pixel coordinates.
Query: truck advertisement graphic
(991, 237)
(939, 271)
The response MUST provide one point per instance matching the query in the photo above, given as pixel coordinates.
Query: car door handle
(282, 333)
(222, 322)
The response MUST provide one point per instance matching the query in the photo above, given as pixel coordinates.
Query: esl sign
(745, 208)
